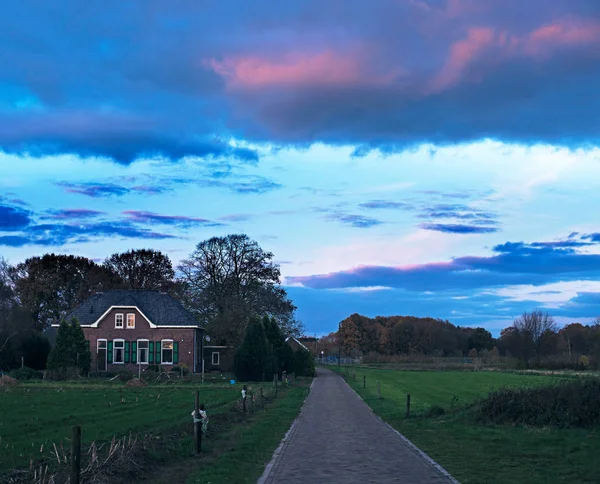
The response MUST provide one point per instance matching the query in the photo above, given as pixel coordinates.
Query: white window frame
(133, 319)
(140, 362)
(117, 326)
(162, 362)
(212, 358)
(115, 351)
(101, 340)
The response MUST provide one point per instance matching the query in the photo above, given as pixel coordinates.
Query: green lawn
(477, 453)
(32, 416)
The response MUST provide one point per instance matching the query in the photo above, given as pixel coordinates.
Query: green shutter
(175, 352)
(158, 356)
(151, 352)
(127, 348)
(134, 351)
(110, 351)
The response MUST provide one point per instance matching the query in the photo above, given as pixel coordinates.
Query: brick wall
(106, 330)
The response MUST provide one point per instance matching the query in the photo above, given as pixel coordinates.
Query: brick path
(337, 439)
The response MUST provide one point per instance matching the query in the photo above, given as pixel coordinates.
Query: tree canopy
(227, 279)
(51, 285)
(142, 269)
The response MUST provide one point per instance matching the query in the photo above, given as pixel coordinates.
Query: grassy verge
(34, 417)
(252, 444)
(471, 452)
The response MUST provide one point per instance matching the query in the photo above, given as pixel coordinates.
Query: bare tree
(227, 279)
(535, 324)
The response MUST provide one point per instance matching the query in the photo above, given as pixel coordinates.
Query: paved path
(337, 439)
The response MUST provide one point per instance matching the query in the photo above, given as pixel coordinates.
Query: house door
(101, 359)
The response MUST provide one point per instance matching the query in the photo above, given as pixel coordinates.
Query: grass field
(253, 444)
(478, 453)
(33, 417)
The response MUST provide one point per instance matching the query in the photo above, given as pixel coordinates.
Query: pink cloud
(542, 41)
(462, 54)
(487, 41)
(297, 69)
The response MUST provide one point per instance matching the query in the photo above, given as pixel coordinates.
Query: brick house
(129, 328)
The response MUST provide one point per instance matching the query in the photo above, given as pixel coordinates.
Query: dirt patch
(136, 382)
(8, 381)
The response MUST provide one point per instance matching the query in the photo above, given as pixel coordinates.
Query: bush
(572, 404)
(177, 369)
(68, 373)
(125, 375)
(152, 368)
(434, 411)
(304, 363)
(26, 374)
(150, 375)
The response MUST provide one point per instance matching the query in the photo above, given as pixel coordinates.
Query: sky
(400, 157)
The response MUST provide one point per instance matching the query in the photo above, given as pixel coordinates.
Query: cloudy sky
(425, 157)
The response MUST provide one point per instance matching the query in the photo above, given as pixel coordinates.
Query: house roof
(300, 343)
(159, 307)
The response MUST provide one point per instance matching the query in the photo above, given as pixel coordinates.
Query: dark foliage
(304, 364)
(254, 358)
(142, 269)
(26, 373)
(51, 285)
(571, 404)
(226, 279)
(35, 349)
(71, 349)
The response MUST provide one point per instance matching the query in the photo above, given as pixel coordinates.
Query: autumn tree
(142, 269)
(51, 285)
(226, 279)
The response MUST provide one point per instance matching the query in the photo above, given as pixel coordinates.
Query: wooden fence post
(262, 398)
(197, 427)
(408, 405)
(378, 391)
(364, 381)
(275, 384)
(75, 454)
(244, 393)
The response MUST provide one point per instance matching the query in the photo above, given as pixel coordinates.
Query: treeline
(534, 338)
(222, 282)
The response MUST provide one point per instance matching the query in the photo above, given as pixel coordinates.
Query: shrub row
(571, 404)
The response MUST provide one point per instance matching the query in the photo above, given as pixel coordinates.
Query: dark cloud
(117, 83)
(121, 139)
(61, 234)
(74, 213)
(176, 220)
(511, 263)
(13, 218)
(358, 221)
(94, 190)
(385, 204)
(459, 228)
(244, 184)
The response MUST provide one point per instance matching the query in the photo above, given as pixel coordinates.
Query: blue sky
(434, 158)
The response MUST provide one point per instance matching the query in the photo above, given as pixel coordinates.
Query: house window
(119, 321)
(101, 344)
(215, 358)
(119, 351)
(142, 351)
(167, 351)
(130, 321)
